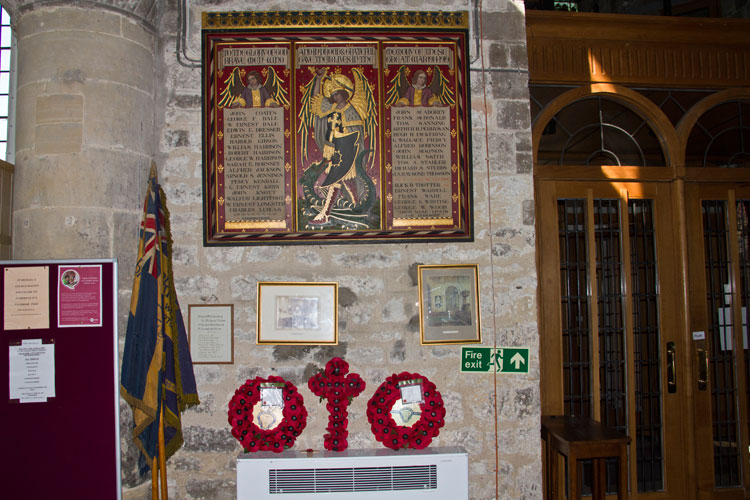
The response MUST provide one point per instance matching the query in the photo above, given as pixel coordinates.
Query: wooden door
(719, 277)
(611, 322)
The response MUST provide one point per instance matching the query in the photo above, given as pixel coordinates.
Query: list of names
(421, 161)
(254, 173)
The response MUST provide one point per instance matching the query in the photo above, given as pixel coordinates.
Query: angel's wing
(274, 86)
(363, 101)
(440, 86)
(232, 90)
(306, 115)
(399, 84)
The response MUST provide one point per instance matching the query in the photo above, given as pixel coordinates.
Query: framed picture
(328, 127)
(449, 304)
(211, 333)
(297, 313)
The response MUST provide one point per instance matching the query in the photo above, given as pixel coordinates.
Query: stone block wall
(378, 322)
(112, 94)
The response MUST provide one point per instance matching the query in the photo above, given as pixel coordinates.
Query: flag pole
(162, 451)
(155, 479)
(162, 458)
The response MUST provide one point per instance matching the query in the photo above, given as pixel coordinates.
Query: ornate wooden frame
(318, 127)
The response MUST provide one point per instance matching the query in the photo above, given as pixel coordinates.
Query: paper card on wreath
(411, 391)
(271, 396)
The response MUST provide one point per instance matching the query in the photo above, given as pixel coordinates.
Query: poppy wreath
(336, 385)
(252, 437)
(396, 436)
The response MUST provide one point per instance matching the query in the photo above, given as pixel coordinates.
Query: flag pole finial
(152, 173)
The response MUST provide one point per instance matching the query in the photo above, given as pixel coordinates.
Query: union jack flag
(156, 367)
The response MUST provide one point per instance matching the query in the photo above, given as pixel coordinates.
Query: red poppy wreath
(420, 415)
(267, 414)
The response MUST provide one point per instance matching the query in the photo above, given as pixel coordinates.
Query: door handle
(671, 369)
(702, 369)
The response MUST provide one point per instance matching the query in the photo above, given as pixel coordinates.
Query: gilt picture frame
(449, 310)
(297, 313)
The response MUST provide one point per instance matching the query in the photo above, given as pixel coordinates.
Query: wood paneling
(578, 48)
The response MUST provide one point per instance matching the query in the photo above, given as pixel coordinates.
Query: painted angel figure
(270, 94)
(342, 115)
(417, 93)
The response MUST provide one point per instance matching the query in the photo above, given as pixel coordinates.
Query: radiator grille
(352, 479)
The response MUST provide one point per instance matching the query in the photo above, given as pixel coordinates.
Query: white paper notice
(32, 371)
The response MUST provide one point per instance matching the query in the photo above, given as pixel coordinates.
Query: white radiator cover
(432, 473)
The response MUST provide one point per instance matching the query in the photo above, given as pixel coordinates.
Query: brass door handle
(702, 369)
(671, 368)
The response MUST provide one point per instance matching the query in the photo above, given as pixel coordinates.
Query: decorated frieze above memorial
(335, 20)
(336, 126)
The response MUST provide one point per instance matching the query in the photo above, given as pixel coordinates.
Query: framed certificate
(211, 333)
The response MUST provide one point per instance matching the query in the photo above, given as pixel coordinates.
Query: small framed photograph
(298, 313)
(211, 333)
(449, 304)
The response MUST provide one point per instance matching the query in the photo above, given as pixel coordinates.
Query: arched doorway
(715, 138)
(640, 139)
(604, 158)
(644, 242)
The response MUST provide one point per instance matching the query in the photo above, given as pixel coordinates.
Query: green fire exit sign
(498, 360)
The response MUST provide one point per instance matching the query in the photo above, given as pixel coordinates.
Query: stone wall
(495, 418)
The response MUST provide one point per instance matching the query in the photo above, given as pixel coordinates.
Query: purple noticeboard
(68, 444)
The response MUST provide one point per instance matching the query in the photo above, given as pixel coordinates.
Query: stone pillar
(85, 130)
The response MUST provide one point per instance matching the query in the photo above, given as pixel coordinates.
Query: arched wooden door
(611, 342)
(644, 259)
(612, 320)
(719, 260)
(641, 142)
(716, 135)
